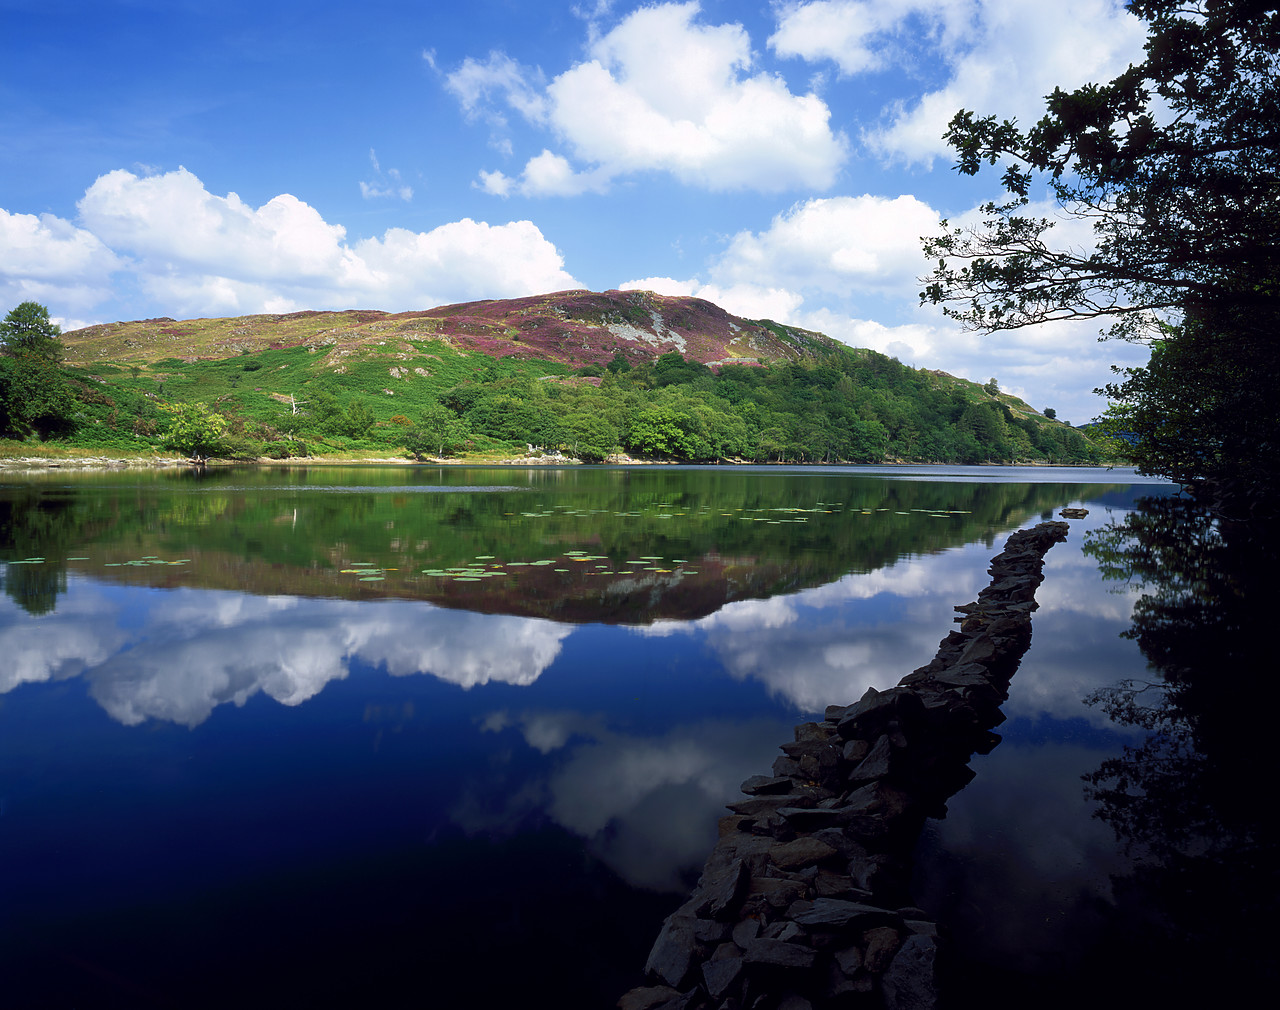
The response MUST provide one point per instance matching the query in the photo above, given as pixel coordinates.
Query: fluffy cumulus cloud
(47, 259)
(999, 56)
(661, 92)
(845, 245)
(868, 243)
(199, 253)
(832, 263)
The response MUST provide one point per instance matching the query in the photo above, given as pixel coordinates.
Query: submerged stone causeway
(804, 902)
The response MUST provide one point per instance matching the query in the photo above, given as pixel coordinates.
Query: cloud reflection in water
(197, 649)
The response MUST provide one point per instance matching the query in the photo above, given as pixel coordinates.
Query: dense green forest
(829, 404)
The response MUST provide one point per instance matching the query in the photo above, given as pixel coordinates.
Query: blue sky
(180, 158)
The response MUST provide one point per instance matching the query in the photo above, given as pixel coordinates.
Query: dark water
(459, 736)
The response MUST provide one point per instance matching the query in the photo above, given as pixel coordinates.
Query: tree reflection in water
(1191, 802)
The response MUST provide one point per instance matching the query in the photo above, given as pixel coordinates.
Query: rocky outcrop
(804, 903)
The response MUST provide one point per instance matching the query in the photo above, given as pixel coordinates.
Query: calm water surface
(271, 737)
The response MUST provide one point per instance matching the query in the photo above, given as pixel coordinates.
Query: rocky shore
(804, 903)
(89, 462)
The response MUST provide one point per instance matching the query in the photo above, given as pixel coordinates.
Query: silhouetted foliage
(1191, 801)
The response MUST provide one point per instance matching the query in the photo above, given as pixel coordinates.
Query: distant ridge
(575, 328)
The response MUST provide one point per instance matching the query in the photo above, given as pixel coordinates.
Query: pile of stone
(804, 903)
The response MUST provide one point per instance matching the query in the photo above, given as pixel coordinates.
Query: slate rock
(910, 983)
(779, 954)
(836, 913)
(786, 766)
(855, 750)
(812, 731)
(719, 976)
(647, 997)
(710, 931)
(870, 717)
(758, 784)
(882, 942)
(807, 819)
(724, 891)
(877, 798)
(685, 1001)
(876, 764)
(758, 806)
(778, 891)
(805, 851)
(672, 953)
(849, 961)
(834, 885)
(746, 931)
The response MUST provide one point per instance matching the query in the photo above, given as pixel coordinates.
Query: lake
(460, 736)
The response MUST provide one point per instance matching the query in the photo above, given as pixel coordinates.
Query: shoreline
(100, 462)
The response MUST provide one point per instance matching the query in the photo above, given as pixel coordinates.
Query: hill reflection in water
(254, 772)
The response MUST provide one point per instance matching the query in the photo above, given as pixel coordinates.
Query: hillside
(591, 374)
(571, 328)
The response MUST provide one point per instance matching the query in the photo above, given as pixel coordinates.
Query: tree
(34, 397)
(662, 431)
(440, 432)
(27, 330)
(357, 420)
(195, 431)
(1176, 165)
(1050, 413)
(590, 437)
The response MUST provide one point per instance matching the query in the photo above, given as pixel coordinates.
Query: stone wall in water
(804, 903)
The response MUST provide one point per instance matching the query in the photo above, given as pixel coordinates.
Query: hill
(571, 328)
(590, 373)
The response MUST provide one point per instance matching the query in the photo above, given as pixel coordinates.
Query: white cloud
(197, 253)
(826, 258)
(662, 92)
(669, 286)
(999, 56)
(47, 259)
(870, 243)
(856, 35)
(385, 184)
(548, 174)
(477, 85)
(754, 301)
(173, 221)
(835, 246)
